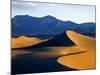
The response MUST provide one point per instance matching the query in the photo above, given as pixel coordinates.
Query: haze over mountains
(48, 26)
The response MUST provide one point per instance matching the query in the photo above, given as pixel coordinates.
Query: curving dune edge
(85, 60)
(24, 41)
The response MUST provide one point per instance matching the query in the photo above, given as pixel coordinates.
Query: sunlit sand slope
(24, 41)
(48, 52)
(57, 51)
(79, 61)
(85, 60)
(84, 42)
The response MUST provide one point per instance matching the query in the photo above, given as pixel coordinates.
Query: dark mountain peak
(21, 16)
(24, 16)
(70, 22)
(49, 18)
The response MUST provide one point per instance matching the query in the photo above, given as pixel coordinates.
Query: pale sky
(65, 12)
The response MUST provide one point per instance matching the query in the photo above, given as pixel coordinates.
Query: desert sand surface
(63, 58)
(48, 52)
(79, 61)
(24, 41)
(85, 42)
(85, 60)
(41, 59)
(16, 53)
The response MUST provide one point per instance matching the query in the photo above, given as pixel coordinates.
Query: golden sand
(24, 41)
(85, 60)
(85, 42)
(48, 52)
(80, 61)
(57, 51)
(81, 56)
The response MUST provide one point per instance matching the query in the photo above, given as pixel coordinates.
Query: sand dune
(85, 42)
(48, 52)
(79, 56)
(85, 60)
(59, 40)
(57, 51)
(80, 61)
(24, 41)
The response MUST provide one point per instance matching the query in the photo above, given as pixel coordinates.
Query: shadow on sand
(32, 64)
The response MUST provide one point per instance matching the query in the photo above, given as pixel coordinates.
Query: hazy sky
(75, 13)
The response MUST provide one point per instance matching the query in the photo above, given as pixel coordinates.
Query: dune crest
(85, 60)
(24, 41)
(85, 42)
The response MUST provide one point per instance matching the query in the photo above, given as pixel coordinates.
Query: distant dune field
(85, 60)
(24, 41)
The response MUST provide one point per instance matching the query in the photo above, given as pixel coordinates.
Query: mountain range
(47, 26)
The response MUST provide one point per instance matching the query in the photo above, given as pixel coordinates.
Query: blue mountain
(47, 26)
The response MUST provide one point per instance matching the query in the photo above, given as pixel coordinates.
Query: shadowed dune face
(60, 40)
(85, 60)
(24, 41)
(79, 56)
(41, 59)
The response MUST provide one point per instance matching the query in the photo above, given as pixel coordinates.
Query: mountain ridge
(28, 25)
